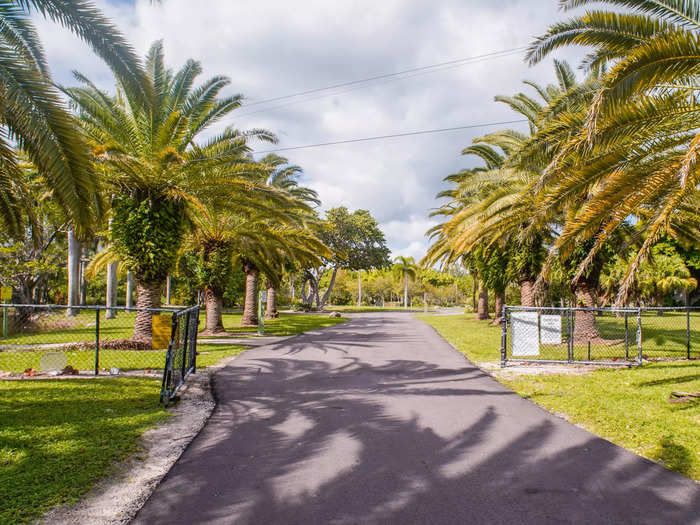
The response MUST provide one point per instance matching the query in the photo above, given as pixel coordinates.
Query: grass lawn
(83, 330)
(58, 437)
(628, 406)
(18, 361)
(285, 324)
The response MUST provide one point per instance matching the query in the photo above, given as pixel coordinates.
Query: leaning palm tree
(155, 168)
(636, 143)
(33, 116)
(405, 268)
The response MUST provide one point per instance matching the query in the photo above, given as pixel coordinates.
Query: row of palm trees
(142, 168)
(608, 166)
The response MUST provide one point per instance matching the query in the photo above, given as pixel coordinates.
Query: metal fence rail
(181, 358)
(615, 336)
(37, 339)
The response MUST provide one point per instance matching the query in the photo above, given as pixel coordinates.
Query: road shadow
(323, 431)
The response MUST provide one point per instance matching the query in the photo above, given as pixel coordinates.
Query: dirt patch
(116, 499)
(536, 369)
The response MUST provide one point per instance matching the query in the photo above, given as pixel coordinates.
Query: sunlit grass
(58, 437)
(285, 324)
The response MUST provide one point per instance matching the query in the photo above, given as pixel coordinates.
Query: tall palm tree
(33, 116)
(636, 143)
(405, 268)
(156, 169)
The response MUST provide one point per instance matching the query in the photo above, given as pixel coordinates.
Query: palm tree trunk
(527, 295)
(405, 291)
(74, 251)
(474, 304)
(168, 289)
(500, 300)
(111, 301)
(304, 295)
(271, 306)
(250, 305)
(147, 296)
(214, 303)
(584, 321)
(482, 310)
(129, 289)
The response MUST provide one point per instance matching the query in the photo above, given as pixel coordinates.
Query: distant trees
(405, 268)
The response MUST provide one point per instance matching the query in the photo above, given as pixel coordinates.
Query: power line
(395, 135)
(386, 81)
(386, 75)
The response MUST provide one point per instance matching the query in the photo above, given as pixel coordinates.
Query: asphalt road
(380, 421)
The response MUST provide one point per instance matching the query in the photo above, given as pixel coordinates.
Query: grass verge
(628, 406)
(58, 437)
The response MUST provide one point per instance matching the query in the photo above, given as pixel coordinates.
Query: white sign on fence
(525, 334)
(550, 329)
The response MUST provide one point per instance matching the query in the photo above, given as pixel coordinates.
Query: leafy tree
(356, 243)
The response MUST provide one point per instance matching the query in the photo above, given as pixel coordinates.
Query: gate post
(504, 336)
(639, 336)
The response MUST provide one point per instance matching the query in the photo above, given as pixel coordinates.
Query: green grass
(18, 360)
(478, 340)
(285, 324)
(58, 437)
(208, 355)
(57, 328)
(628, 406)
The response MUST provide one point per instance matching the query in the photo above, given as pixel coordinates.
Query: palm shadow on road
(296, 439)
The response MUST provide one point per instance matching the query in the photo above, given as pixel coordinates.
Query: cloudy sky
(272, 48)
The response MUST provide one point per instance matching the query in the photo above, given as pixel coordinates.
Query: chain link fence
(181, 358)
(50, 340)
(621, 336)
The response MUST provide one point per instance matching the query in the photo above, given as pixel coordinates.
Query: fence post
(185, 341)
(572, 320)
(687, 330)
(639, 336)
(194, 341)
(97, 341)
(627, 338)
(504, 337)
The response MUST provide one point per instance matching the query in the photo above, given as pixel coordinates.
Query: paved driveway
(380, 421)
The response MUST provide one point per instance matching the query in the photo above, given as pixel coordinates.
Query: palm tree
(405, 268)
(34, 117)
(286, 177)
(635, 145)
(156, 171)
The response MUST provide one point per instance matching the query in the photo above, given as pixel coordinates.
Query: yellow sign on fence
(6, 293)
(162, 327)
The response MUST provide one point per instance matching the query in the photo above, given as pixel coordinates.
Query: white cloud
(273, 47)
